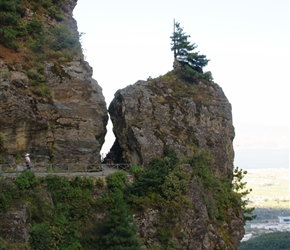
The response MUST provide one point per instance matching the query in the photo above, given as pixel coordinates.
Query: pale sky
(245, 40)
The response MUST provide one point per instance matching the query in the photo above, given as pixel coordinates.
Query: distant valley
(270, 197)
(270, 188)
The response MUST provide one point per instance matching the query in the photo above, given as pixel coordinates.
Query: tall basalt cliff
(171, 112)
(50, 107)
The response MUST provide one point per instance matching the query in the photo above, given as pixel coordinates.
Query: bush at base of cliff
(40, 236)
(26, 180)
(152, 177)
(72, 205)
(73, 198)
(7, 195)
(116, 181)
(56, 208)
(162, 185)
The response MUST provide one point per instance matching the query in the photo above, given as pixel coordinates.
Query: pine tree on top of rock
(183, 50)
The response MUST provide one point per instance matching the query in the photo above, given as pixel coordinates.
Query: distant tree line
(273, 241)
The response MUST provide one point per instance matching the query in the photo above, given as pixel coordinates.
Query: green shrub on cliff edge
(65, 38)
(116, 181)
(227, 195)
(151, 179)
(7, 194)
(40, 236)
(162, 185)
(10, 13)
(26, 180)
(32, 36)
(41, 32)
(72, 205)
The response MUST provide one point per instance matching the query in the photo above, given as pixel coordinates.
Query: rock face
(15, 225)
(170, 112)
(62, 119)
(69, 130)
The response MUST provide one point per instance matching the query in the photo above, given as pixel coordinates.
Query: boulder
(170, 112)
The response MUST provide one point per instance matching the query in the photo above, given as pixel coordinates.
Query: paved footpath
(104, 172)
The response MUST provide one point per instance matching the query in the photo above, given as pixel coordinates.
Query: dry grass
(270, 188)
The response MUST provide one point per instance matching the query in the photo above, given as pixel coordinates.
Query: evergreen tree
(118, 231)
(182, 49)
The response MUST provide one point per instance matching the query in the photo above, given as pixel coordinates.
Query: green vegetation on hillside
(164, 185)
(63, 213)
(37, 32)
(82, 214)
(33, 32)
(273, 241)
(10, 14)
